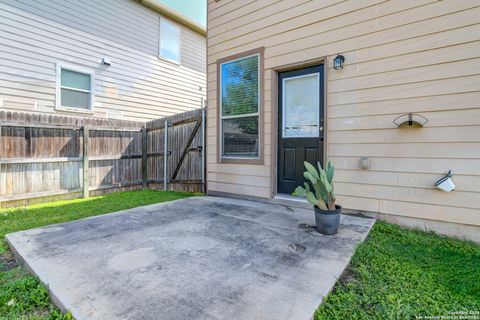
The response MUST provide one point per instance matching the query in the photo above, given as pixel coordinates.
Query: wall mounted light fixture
(411, 120)
(338, 62)
(446, 184)
(106, 61)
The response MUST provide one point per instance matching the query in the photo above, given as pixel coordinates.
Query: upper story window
(169, 42)
(240, 107)
(74, 88)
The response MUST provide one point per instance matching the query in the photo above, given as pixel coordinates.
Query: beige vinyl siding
(35, 36)
(419, 56)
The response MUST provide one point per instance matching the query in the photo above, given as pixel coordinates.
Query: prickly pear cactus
(319, 188)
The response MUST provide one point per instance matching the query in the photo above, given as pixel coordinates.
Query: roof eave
(174, 15)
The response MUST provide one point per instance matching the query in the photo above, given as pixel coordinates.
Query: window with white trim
(239, 104)
(169, 41)
(74, 88)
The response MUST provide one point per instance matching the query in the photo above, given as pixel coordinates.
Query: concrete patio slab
(195, 258)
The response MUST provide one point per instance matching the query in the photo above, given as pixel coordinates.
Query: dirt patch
(307, 227)
(7, 262)
(297, 247)
(347, 276)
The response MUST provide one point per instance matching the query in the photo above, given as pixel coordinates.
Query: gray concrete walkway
(196, 258)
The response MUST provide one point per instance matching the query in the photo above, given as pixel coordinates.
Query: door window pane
(240, 137)
(75, 80)
(240, 86)
(301, 106)
(169, 41)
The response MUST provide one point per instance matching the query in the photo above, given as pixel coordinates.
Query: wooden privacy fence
(47, 157)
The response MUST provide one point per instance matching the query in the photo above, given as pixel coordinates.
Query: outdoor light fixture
(338, 62)
(446, 184)
(106, 61)
(411, 120)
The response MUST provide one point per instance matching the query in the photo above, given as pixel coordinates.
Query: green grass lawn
(395, 274)
(22, 296)
(403, 274)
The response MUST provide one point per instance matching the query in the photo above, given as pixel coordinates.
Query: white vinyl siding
(36, 35)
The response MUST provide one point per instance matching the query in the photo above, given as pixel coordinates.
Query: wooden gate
(183, 167)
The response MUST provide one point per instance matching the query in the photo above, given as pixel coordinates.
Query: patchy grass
(22, 296)
(404, 274)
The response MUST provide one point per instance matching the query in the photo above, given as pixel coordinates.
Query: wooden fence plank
(165, 157)
(86, 183)
(40, 160)
(115, 157)
(32, 195)
(144, 158)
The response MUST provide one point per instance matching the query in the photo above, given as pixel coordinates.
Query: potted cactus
(319, 192)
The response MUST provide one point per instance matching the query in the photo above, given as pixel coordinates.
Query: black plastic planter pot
(327, 221)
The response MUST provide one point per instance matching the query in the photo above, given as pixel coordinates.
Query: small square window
(169, 41)
(74, 89)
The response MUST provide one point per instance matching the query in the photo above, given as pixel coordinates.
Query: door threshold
(289, 197)
(291, 201)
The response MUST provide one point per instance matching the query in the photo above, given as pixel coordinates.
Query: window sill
(258, 161)
(74, 110)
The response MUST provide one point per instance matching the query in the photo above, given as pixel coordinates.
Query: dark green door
(300, 124)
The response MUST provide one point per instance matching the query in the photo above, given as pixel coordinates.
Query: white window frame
(246, 115)
(160, 41)
(315, 134)
(58, 91)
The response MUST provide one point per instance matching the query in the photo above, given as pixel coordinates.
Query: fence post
(165, 155)
(144, 157)
(86, 183)
(204, 189)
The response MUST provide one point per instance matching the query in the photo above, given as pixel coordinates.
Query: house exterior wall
(36, 35)
(419, 56)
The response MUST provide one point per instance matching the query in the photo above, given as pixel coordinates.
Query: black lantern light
(338, 62)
